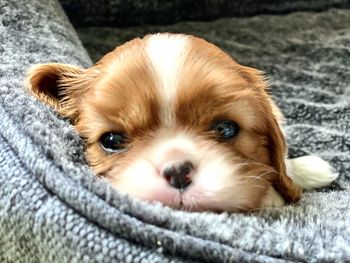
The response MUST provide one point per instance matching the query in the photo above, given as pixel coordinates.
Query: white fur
(167, 54)
(216, 183)
(142, 177)
(310, 172)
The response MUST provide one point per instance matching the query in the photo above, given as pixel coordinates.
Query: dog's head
(172, 118)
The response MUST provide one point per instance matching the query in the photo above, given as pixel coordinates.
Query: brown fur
(119, 94)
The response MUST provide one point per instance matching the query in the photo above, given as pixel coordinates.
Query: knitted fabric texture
(53, 209)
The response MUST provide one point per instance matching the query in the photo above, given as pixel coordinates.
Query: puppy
(174, 119)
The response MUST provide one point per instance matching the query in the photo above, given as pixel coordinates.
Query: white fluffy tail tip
(311, 172)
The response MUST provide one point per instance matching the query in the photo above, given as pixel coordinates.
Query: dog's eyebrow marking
(167, 54)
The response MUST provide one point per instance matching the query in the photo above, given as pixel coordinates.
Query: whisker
(247, 162)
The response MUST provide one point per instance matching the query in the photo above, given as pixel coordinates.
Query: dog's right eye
(225, 129)
(113, 142)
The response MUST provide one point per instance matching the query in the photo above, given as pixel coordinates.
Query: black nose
(178, 174)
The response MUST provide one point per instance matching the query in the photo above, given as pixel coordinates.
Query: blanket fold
(53, 209)
(137, 12)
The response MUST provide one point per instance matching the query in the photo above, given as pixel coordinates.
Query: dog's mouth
(180, 199)
(185, 205)
(187, 200)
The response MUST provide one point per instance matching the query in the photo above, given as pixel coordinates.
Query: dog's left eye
(225, 129)
(113, 142)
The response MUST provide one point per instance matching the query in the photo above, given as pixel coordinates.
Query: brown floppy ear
(278, 149)
(56, 85)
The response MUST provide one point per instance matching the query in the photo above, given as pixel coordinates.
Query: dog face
(172, 118)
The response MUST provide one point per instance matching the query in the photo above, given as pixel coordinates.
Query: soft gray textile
(52, 209)
(139, 12)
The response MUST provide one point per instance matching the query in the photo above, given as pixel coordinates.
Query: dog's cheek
(228, 182)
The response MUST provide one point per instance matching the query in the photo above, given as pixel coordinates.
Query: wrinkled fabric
(137, 12)
(53, 209)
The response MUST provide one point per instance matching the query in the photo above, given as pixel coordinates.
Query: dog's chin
(194, 202)
(186, 202)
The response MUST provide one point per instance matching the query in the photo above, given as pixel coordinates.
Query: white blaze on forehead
(167, 54)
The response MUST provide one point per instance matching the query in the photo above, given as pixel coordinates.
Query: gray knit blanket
(53, 209)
